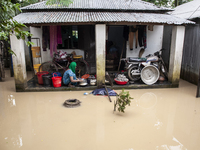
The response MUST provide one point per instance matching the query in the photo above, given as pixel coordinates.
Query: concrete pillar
(177, 40)
(19, 64)
(100, 36)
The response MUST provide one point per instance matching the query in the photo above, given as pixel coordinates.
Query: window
(69, 37)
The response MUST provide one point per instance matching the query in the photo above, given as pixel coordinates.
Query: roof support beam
(176, 50)
(100, 37)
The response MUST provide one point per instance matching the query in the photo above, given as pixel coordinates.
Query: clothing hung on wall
(142, 36)
(150, 27)
(53, 40)
(133, 30)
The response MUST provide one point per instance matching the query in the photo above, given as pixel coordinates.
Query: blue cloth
(66, 77)
(56, 74)
(102, 91)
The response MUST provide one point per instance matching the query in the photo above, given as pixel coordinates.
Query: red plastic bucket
(39, 76)
(56, 80)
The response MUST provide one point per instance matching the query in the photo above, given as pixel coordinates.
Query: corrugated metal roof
(188, 10)
(100, 4)
(95, 17)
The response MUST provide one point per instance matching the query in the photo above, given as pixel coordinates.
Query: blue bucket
(56, 74)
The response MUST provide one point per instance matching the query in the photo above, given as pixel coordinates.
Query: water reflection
(148, 100)
(17, 141)
(158, 124)
(11, 100)
(178, 146)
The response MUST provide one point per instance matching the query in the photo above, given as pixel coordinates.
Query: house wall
(190, 61)
(154, 42)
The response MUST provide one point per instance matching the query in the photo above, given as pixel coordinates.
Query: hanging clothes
(142, 36)
(45, 37)
(150, 27)
(53, 40)
(133, 30)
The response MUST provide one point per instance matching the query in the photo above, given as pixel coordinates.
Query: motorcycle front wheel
(134, 73)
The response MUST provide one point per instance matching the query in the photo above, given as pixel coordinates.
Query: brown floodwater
(158, 119)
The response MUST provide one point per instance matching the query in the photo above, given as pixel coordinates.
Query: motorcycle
(147, 69)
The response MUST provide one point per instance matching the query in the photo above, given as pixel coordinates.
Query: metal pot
(84, 83)
(93, 81)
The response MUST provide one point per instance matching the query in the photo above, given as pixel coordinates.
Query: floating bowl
(120, 82)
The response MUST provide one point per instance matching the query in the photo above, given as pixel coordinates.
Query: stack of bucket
(39, 76)
(47, 79)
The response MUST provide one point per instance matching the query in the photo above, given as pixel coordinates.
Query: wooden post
(177, 40)
(100, 37)
(19, 65)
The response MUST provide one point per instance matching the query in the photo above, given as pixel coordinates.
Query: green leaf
(122, 101)
(11, 52)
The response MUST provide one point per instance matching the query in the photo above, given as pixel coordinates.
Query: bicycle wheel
(48, 66)
(82, 67)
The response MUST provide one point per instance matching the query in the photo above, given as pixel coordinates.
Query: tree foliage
(59, 2)
(168, 3)
(10, 8)
(8, 25)
(25, 2)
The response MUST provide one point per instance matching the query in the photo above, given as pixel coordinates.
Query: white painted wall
(154, 42)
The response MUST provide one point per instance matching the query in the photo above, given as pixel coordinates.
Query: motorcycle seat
(133, 59)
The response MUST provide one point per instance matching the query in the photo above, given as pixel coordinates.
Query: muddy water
(158, 119)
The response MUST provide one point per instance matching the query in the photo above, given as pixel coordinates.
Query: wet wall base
(33, 86)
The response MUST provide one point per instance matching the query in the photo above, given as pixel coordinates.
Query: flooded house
(101, 34)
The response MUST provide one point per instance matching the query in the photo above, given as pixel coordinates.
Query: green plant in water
(123, 99)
